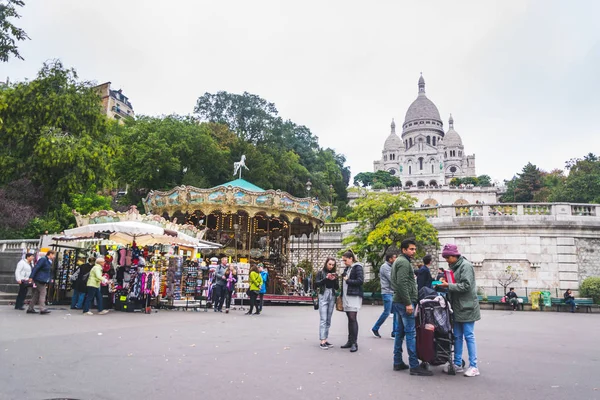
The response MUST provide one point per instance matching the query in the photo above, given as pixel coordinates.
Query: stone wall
(588, 257)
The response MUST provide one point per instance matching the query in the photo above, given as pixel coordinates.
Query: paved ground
(275, 356)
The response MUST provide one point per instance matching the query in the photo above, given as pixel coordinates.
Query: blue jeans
(387, 309)
(93, 292)
(405, 328)
(466, 330)
(77, 299)
(326, 305)
(571, 303)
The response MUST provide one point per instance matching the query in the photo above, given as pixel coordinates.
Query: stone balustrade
(14, 246)
(500, 210)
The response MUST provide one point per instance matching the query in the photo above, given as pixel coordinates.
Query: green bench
(497, 300)
(588, 304)
(374, 297)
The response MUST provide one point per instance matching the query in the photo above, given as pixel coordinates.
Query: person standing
(352, 294)
(441, 274)
(424, 274)
(73, 277)
(22, 273)
(327, 284)
(264, 274)
(570, 300)
(387, 294)
(231, 279)
(405, 299)
(93, 288)
(220, 285)
(80, 284)
(40, 276)
(255, 284)
(463, 298)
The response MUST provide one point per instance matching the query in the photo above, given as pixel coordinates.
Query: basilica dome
(393, 142)
(422, 107)
(452, 138)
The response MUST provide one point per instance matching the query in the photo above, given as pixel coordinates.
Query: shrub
(591, 288)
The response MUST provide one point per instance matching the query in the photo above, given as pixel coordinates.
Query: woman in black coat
(352, 295)
(80, 284)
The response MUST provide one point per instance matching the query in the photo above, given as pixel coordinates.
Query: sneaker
(103, 312)
(457, 369)
(375, 333)
(88, 313)
(227, 311)
(393, 334)
(420, 371)
(44, 312)
(471, 372)
(324, 346)
(31, 312)
(400, 367)
(328, 344)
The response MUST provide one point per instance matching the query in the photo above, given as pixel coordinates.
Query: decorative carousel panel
(218, 197)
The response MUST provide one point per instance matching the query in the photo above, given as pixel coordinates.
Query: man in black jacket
(424, 274)
(40, 276)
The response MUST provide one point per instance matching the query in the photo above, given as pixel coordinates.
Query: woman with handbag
(255, 284)
(352, 293)
(327, 284)
(80, 284)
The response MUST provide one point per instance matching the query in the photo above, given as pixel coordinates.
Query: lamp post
(308, 187)
(236, 229)
(331, 194)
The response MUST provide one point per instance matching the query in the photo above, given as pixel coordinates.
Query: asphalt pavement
(195, 355)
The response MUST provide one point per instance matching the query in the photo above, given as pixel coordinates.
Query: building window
(460, 153)
(433, 141)
(432, 169)
(428, 139)
(410, 142)
(420, 163)
(384, 158)
(453, 169)
(409, 170)
(445, 154)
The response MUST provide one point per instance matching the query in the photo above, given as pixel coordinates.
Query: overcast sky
(521, 78)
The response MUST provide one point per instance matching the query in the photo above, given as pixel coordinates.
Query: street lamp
(331, 194)
(308, 187)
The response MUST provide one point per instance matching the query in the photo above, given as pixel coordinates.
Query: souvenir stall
(249, 223)
(65, 263)
(144, 255)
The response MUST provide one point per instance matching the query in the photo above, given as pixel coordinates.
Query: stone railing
(511, 209)
(13, 246)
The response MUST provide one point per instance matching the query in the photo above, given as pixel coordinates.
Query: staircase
(10, 254)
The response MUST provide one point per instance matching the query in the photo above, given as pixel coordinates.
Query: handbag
(74, 276)
(339, 303)
(315, 300)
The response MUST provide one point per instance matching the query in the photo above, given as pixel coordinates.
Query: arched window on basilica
(420, 163)
(428, 139)
(384, 157)
(433, 141)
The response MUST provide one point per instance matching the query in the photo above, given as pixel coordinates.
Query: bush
(591, 288)
(374, 286)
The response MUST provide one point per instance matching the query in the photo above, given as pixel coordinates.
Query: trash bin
(547, 298)
(535, 301)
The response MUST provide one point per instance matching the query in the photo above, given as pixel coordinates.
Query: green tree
(385, 221)
(9, 33)
(250, 116)
(583, 183)
(484, 181)
(523, 187)
(55, 135)
(383, 178)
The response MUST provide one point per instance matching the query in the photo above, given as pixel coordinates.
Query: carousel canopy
(234, 196)
(132, 226)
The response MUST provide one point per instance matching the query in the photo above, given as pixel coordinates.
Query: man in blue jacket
(40, 276)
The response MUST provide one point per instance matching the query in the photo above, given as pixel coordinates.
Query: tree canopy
(379, 178)
(9, 33)
(59, 151)
(385, 220)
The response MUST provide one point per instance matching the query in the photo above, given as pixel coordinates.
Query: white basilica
(425, 155)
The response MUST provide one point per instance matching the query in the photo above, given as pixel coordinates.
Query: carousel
(250, 223)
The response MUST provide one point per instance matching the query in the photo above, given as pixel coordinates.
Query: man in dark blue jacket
(424, 274)
(40, 276)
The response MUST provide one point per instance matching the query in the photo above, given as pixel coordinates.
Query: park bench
(588, 304)
(497, 300)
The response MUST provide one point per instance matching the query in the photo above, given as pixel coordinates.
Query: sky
(519, 77)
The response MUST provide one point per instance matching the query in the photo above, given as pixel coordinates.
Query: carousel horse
(238, 165)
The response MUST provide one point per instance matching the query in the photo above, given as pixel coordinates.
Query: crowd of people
(399, 290)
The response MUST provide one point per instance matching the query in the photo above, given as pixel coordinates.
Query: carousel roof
(234, 196)
(242, 184)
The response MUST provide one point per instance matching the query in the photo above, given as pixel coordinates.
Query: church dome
(393, 142)
(422, 107)
(452, 138)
